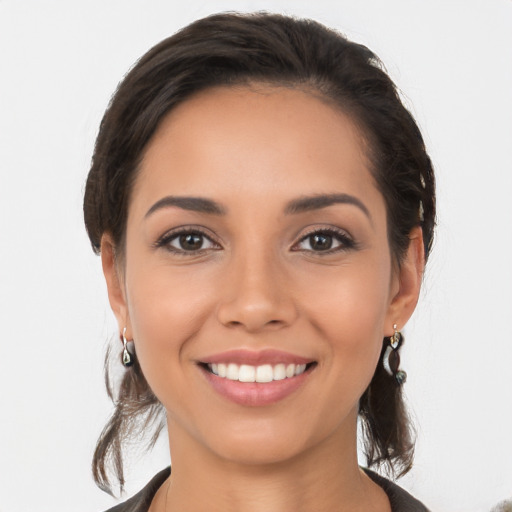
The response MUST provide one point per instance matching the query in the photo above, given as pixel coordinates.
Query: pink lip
(255, 358)
(255, 394)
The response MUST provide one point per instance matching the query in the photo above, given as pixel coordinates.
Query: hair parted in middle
(233, 49)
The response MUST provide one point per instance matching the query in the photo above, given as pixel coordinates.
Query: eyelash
(344, 240)
(166, 239)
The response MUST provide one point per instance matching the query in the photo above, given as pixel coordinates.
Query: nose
(256, 295)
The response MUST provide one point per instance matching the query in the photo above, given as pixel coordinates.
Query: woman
(263, 205)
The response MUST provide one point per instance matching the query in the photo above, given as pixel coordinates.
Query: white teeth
(246, 373)
(263, 373)
(300, 369)
(233, 371)
(279, 372)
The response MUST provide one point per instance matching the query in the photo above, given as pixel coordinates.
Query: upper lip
(255, 358)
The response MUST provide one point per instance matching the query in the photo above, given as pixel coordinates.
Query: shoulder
(141, 501)
(400, 499)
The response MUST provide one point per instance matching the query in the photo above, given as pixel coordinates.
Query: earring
(391, 359)
(127, 357)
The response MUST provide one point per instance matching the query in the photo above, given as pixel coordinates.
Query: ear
(115, 285)
(407, 283)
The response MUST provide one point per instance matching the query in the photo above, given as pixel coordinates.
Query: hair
(232, 49)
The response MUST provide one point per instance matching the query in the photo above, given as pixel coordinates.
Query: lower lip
(255, 394)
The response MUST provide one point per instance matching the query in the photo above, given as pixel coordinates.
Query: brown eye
(191, 241)
(320, 242)
(187, 242)
(328, 241)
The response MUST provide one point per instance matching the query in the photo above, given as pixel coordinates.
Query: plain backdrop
(59, 63)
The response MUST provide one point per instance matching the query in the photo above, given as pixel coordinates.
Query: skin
(258, 283)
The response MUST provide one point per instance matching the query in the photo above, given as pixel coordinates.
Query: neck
(326, 477)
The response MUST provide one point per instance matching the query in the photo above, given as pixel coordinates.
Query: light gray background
(59, 63)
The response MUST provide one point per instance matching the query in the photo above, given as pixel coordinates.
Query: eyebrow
(300, 205)
(318, 201)
(195, 204)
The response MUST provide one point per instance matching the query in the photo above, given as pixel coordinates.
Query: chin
(270, 442)
(259, 452)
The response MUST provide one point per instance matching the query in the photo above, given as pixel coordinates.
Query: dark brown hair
(233, 49)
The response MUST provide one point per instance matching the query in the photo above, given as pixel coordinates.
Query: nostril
(272, 324)
(254, 314)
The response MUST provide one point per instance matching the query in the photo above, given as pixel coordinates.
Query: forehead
(254, 142)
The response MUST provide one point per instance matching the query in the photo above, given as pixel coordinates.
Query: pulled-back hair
(236, 49)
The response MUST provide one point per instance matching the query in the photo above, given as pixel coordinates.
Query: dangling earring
(391, 359)
(127, 358)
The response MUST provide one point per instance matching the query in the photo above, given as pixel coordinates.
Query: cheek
(163, 300)
(349, 310)
(166, 310)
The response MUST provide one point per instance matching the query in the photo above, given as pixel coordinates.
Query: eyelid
(165, 239)
(346, 240)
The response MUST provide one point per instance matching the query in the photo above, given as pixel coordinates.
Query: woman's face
(257, 249)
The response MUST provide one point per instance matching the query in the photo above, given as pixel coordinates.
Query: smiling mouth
(260, 374)
(256, 378)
